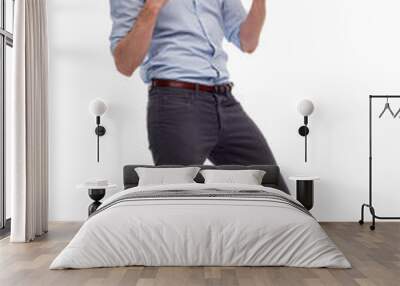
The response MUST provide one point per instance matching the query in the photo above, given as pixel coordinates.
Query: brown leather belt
(222, 88)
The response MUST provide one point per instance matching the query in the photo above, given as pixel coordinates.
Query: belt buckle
(221, 89)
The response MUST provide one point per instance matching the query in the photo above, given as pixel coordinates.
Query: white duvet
(193, 231)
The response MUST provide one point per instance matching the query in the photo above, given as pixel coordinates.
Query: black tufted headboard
(270, 179)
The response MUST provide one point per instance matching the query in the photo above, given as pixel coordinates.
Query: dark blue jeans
(186, 127)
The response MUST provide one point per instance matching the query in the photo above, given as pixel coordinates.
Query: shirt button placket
(214, 49)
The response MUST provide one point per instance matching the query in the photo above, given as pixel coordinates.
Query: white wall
(333, 52)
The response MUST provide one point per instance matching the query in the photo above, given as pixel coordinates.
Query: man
(192, 114)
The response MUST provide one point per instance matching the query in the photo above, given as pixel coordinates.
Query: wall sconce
(305, 108)
(97, 107)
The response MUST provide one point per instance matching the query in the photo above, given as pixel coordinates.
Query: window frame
(6, 39)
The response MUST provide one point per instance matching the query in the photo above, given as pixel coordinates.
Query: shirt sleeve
(123, 15)
(233, 14)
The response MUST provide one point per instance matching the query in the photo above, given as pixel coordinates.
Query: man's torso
(187, 40)
(187, 43)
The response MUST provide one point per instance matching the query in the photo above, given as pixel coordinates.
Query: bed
(198, 224)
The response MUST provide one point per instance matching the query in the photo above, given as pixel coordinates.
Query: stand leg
(372, 210)
(305, 193)
(93, 207)
(361, 221)
(374, 216)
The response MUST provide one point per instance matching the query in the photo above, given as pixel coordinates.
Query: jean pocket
(165, 107)
(176, 100)
(230, 101)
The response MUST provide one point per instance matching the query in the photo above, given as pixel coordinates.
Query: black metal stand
(96, 195)
(370, 205)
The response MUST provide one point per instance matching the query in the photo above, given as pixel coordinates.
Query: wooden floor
(375, 257)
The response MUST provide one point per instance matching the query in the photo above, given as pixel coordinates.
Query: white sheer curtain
(28, 158)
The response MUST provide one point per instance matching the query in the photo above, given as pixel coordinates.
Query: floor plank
(375, 257)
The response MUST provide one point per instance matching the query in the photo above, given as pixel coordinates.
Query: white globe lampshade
(97, 107)
(305, 107)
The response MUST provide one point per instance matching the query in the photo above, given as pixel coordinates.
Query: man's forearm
(250, 29)
(131, 50)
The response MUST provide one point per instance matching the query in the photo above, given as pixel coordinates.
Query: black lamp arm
(303, 131)
(99, 131)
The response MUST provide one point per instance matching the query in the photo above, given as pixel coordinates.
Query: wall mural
(193, 114)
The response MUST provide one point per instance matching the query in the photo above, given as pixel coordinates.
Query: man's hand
(131, 50)
(250, 29)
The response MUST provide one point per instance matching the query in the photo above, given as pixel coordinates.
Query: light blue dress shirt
(187, 39)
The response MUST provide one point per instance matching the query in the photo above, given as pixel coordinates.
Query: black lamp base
(100, 130)
(304, 131)
(96, 195)
(305, 193)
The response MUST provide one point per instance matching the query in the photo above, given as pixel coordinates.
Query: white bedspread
(200, 231)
